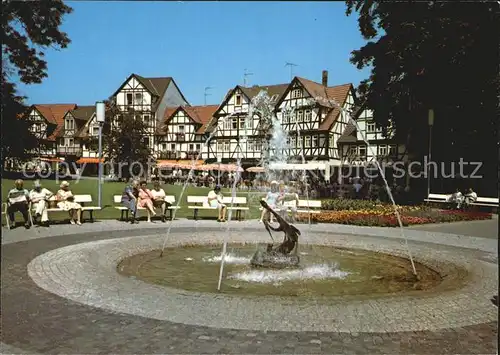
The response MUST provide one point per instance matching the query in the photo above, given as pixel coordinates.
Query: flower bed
(384, 216)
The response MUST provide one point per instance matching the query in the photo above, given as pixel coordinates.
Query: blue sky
(199, 44)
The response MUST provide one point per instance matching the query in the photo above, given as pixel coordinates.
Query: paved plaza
(61, 294)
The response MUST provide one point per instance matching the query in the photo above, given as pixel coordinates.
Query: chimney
(324, 79)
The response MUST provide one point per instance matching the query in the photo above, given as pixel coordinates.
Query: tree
(126, 142)
(433, 55)
(28, 27)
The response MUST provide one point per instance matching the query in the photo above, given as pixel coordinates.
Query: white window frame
(362, 148)
(382, 150)
(236, 97)
(307, 142)
(172, 147)
(296, 93)
(393, 149)
(242, 122)
(308, 116)
(138, 98)
(250, 145)
(191, 147)
(300, 116)
(353, 150)
(314, 141)
(370, 127)
(95, 131)
(228, 123)
(127, 101)
(293, 141)
(164, 146)
(181, 128)
(227, 146)
(284, 117)
(198, 147)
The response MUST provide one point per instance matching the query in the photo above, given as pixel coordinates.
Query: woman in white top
(215, 201)
(271, 199)
(66, 202)
(39, 197)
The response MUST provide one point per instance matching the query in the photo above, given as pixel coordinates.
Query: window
(314, 141)
(353, 150)
(181, 128)
(70, 124)
(284, 116)
(226, 146)
(250, 145)
(307, 142)
(393, 150)
(146, 119)
(242, 122)
(370, 127)
(382, 150)
(61, 142)
(227, 124)
(296, 93)
(237, 100)
(362, 151)
(198, 147)
(299, 142)
(293, 117)
(172, 147)
(234, 124)
(164, 146)
(300, 116)
(191, 147)
(95, 131)
(138, 98)
(308, 116)
(331, 142)
(70, 142)
(129, 99)
(293, 142)
(220, 147)
(258, 146)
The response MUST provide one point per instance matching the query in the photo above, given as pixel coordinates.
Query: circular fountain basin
(324, 272)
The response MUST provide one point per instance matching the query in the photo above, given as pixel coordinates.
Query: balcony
(77, 151)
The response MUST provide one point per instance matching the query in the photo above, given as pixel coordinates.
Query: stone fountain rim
(162, 298)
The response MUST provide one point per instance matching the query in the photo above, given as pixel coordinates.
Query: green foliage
(125, 142)
(27, 28)
(433, 55)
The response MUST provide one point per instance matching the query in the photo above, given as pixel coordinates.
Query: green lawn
(115, 188)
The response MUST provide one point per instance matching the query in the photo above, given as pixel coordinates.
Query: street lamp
(100, 116)
(430, 118)
(219, 160)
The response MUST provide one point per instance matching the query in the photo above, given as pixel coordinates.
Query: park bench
(201, 203)
(486, 201)
(125, 211)
(437, 198)
(309, 206)
(80, 199)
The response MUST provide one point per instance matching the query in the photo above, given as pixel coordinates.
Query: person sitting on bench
(159, 195)
(130, 197)
(215, 201)
(18, 199)
(39, 197)
(66, 202)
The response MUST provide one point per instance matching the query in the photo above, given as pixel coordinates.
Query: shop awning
(181, 164)
(256, 169)
(89, 161)
(51, 159)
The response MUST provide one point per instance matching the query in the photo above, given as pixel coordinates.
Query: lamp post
(219, 159)
(100, 116)
(430, 121)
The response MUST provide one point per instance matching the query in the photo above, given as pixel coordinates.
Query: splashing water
(229, 258)
(189, 177)
(313, 272)
(370, 147)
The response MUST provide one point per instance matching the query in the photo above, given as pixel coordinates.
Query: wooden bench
(201, 203)
(80, 199)
(438, 198)
(486, 201)
(125, 211)
(309, 206)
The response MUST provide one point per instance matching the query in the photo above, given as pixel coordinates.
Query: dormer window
(237, 100)
(296, 93)
(70, 124)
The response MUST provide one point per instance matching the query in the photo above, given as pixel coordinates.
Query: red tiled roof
(336, 93)
(54, 114)
(199, 114)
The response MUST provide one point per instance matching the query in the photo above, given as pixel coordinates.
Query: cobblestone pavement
(40, 322)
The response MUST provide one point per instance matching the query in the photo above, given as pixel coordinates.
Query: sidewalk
(480, 229)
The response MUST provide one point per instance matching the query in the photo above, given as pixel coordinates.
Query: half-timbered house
(383, 148)
(148, 99)
(47, 123)
(236, 134)
(314, 116)
(70, 139)
(183, 132)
